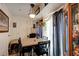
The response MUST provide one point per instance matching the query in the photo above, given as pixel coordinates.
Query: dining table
(33, 42)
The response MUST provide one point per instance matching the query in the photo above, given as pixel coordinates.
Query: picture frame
(37, 11)
(4, 22)
(14, 24)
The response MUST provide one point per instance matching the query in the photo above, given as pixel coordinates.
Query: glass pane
(66, 40)
(75, 30)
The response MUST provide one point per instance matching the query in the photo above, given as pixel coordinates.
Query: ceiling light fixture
(32, 14)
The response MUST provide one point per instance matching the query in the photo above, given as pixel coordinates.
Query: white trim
(53, 12)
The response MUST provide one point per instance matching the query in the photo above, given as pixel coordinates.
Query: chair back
(20, 45)
(13, 46)
(19, 41)
(32, 35)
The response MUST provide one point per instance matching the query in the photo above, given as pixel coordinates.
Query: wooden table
(32, 42)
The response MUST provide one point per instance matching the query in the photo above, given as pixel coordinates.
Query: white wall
(4, 38)
(23, 28)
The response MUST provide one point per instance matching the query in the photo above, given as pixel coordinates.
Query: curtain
(67, 42)
(58, 36)
(39, 31)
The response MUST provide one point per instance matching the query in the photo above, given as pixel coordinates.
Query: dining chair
(12, 48)
(23, 50)
(42, 48)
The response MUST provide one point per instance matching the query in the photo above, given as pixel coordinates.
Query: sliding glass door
(47, 31)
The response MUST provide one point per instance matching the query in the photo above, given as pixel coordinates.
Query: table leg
(32, 51)
(49, 48)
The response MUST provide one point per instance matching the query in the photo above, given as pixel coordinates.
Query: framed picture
(4, 22)
(14, 25)
(37, 11)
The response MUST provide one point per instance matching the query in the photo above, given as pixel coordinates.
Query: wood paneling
(78, 17)
(70, 29)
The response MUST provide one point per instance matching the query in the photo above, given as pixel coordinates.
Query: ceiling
(19, 9)
(23, 9)
(51, 7)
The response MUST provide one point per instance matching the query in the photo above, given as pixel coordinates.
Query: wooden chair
(23, 50)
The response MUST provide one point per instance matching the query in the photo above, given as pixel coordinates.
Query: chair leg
(47, 54)
(29, 54)
(22, 53)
